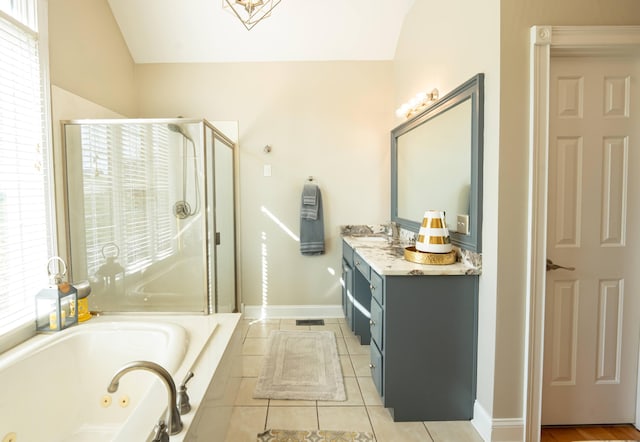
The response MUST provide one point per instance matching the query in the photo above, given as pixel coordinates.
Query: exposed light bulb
(417, 103)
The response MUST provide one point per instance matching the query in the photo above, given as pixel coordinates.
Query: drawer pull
(372, 287)
(371, 366)
(371, 322)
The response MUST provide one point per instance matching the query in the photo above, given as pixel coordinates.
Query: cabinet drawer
(377, 287)
(376, 324)
(347, 253)
(376, 368)
(362, 265)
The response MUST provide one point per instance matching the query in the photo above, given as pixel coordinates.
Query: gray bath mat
(302, 365)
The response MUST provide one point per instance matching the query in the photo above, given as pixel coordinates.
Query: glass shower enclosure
(150, 214)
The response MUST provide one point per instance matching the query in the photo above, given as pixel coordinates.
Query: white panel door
(592, 314)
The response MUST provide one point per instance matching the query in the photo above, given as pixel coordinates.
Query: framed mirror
(436, 164)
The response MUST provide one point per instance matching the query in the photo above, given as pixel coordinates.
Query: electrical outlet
(463, 224)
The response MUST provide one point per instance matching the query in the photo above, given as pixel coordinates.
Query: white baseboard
(496, 430)
(293, 311)
(481, 422)
(508, 430)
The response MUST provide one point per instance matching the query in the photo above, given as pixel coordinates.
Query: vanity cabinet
(356, 293)
(361, 299)
(347, 283)
(422, 331)
(423, 351)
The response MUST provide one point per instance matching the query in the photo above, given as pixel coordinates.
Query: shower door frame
(213, 293)
(210, 296)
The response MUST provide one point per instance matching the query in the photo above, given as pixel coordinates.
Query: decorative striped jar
(433, 236)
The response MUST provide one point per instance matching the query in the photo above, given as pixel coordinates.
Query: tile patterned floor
(362, 411)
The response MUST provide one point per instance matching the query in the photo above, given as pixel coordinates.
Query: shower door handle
(217, 238)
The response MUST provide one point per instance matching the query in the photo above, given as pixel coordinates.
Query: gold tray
(414, 255)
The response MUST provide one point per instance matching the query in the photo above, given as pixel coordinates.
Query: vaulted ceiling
(200, 31)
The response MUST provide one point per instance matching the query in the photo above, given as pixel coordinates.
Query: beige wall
(330, 120)
(516, 20)
(326, 119)
(443, 44)
(88, 56)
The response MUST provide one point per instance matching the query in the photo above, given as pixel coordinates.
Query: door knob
(552, 266)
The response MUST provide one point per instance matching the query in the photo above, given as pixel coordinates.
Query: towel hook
(313, 181)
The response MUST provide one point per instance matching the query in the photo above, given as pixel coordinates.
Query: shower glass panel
(141, 214)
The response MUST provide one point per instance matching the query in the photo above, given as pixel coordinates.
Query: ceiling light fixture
(251, 12)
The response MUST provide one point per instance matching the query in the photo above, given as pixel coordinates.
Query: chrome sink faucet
(173, 416)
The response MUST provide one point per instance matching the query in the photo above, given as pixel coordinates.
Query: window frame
(36, 12)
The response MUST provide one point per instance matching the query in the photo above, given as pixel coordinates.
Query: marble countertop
(385, 255)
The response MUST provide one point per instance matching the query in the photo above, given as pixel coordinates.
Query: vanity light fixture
(250, 12)
(417, 104)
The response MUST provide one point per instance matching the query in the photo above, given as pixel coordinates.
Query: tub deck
(210, 348)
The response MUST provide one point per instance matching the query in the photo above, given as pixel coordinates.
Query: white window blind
(126, 195)
(26, 229)
(98, 178)
(164, 224)
(135, 204)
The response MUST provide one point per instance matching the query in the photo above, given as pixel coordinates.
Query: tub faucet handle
(160, 432)
(183, 398)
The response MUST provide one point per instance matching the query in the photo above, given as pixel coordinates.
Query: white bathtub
(54, 387)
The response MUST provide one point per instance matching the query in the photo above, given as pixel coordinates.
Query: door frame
(546, 41)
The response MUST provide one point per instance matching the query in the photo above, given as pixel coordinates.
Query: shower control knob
(182, 210)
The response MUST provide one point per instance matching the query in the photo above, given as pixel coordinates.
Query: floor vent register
(309, 321)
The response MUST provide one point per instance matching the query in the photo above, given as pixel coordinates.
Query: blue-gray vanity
(421, 324)
(421, 320)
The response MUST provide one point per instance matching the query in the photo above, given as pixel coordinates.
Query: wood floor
(588, 432)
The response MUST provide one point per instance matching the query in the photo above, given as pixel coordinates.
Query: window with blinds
(26, 225)
(126, 195)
